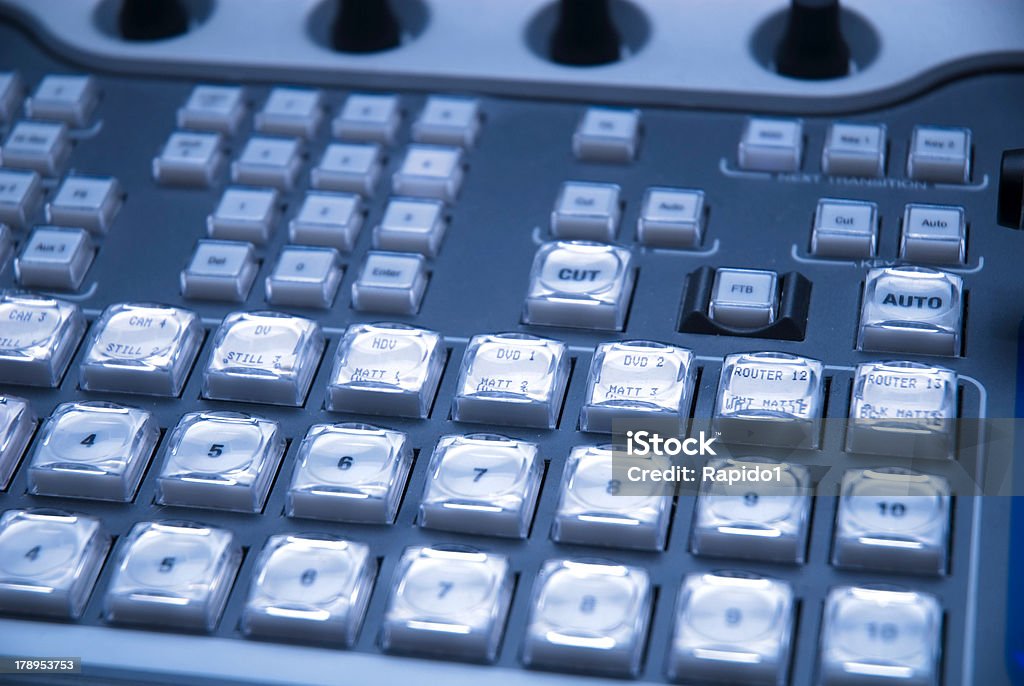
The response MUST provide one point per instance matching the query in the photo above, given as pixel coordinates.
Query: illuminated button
(588, 615)
(448, 602)
(92, 450)
(213, 108)
(20, 194)
(349, 473)
(596, 506)
(772, 145)
(941, 155)
(391, 282)
(770, 399)
(311, 588)
(172, 574)
(636, 380)
(389, 369)
(366, 117)
(86, 202)
(605, 134)
(892, 519)
(17, 424)
(189, 159)
(39, 336)
(69, 99)
(762, 520)
(854, 150)
(219, 270)
(671, 218)
(331, 220)
(580, 284)
(871, 637)
(11, 92)
(448, 121)
(49, 561)
(55, 257)
(268, 162)
(291, 112)
(845, 228)
(38, 146)
(351, 167)
(304, 277)
(744, 298)
(244, 214)
(911, 309)
(732, 629)
(411, 226)
(936, 234)
(586, 211)
(512, 379)
(220, 460)
(141, 348)
(481, 484)
(429, 171)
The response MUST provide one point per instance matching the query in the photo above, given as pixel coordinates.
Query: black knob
(585, 33)
(152, 19)
(812, 45)
(365, 26)
(1011, 190)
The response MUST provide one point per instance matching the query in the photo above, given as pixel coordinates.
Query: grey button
(219, 270)
(40, 146)
(854, 150)
(332, 220)
(911, 309)
(20, 194)
(244, 214)
(935, 234)
(11, 92)
(845, 228)
(411, 225)
(268, 162)
(213, 108)
(87, 202)
(366, 117)
(189, 159)
(69, 99)
(773, 145)
(17, 424)
(940, 155)
(430, 171)
(671, 218)
(448, 121)
(390, 282)
(304, 277)
(352, 167)
(6, 245)
(55, 257)
(744, 298)
(39, 337)
(586, 211)
(607, 135)
(291, 112)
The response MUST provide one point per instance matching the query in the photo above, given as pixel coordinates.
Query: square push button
(935, 234)
(744, 298)
(244, 214)
(86, 202)
(607, 135)
(448, 121)
(331, 220)
(55, 257)
(350, 167)
(365, 117)
(42, 147)
(772, 145)
(291, 112)
(411, 225)
(390, 282)
(671, 218)
(430, 171)
(304, 277)
(940, 155)
(845, 229)
(913, 310)
(71, 99)
(586, 211)
(189, 159)
(39, 336)
(20, 193)
(213, 108)
(219, 270)
(854, 150)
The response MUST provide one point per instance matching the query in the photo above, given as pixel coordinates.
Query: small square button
(12, 90)
(671, 218)
(854, 150)
(268, 162)
(351, 167)
(213, 108)
(448, 120)
(87, 202)
(391, 282)
(430, 171)
(911, 309)
(55, 257)
(411, 225)
(20, 195)
(38, 146)
(68, 99)
(244, 214)
(934, 234)
(744, 298)
(607, 135)
(772, 145)
(39, 337)
(331, 220)
(17, 424)
(304, 277)
(189, 159)
(845, 229)
(219, 270)
(365, 117)
(940, 155)
(586, 211)
(291, 112)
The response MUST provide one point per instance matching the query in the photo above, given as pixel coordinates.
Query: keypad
(365, 117)
(332, 220)
(934, 234)
(351, 167)
(68, 99)
(940, 155)
(42, 147)
(189, 159)
(291, 112)
(55, 257)
(39, 337)
(87, 202)
(304, 277)
(219, 270)
(268, 162)
(20, 195)
(17, 424)
(430, 171)
(411, 225)
(772, 145)
(213, 108)
(744, 298)
(854, 150)
(605, 134)
(845, 229)
(671, 218)
(390, 282)
(447, 120)
(911, 309)
(244, 214)
(586, 211)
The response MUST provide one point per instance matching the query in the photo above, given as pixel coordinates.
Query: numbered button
(172, 574)
(244, 214)
(411, 225)
(291, 112)
(352, 167)
(430, 171)
(448, 121)
(17, 423)
(269, 162)
(304, 277)
(366, 117)
(331, 220)
(39, 336)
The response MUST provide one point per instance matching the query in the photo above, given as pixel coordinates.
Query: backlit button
(448, 121)
(17, 424)
(220, 460)
(911, 309)
(854, 150)
(55, 257)
(141, 348)
(219, 270)
(268, 162)
(49, 561)
(349, 473)
(331, 220)
(671, 218)
(310, 587)
(244, 214)
(366, 117)
(733, 629)
(588, 615)
(871, 637)
(586, 211)
(637, 380)
(607, 135)
(189, 159)
(765, 520)
(390, 282)
(845, 228)
(744, 298)
(892, 519)
(20, 194)
(411, 225)
(291, 112)
(448, 602)
(11, 92)
(935, 234)
(482, 484)
(512, 379)
(430, 171)
(92, 450)
(773, 145)
(39, 336)
(263, 357)
(388, 369)
(172, 574)
(38, 146)
(213, 108)
(87, 202)
(304, 277)
(352, 167)
(941, 155)
(69, 99)
(580, 284)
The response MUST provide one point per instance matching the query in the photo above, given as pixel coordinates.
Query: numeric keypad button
(244, 214)
(291, 112)
(448, 121)
(213, 108)
(219, 270)
(331, 220)
(430, 171)
(268, 162)
(366, 117)
(39, 337)
(391, 282)
(304, 277)
(71, 99)
(351, 167)
(20, 195)
(411, 225)
(17, 424)
(189, 159)
(12, 90)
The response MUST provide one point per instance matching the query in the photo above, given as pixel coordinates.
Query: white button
(854, 150)
(20, 194)
(268, 162)
(935, 234)
(607, 135)
(892, 519)
(349, 473)
(351, 167)
(219, 270)
(587, 211)
(596, 508)
(309, 587)
(11, 92)
(580, 284)
(69, 99)
(448, 602)
(671, 218)
(173, 574)
(86, 202)
(213, 108)
(845, 228)
(430, 171)
(773, 145)
(220, 460)
(512, 379)
(39, 337)
(263, 357)
(871, 637)
(911, 309)
(388, 369)
(636, 380)
(940, 155)
(765, 520)
(368, 118)
(55, 257)
(92, 450)
(448, 121)
(304, 277)
(244, 214)
(17, 424)
(590, 616)
(189, 159)
(411, 225)
(331, 220)
(49, 561)
(6, 245)
(390, 282)
(291, 112)
(38, 146)
(744, 298)
(732, 629)
(481, 484)
(770, 399)
(141, 348)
